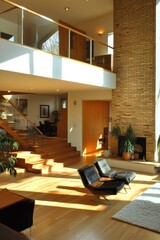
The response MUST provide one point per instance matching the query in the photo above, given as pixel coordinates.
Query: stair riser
(46, 158)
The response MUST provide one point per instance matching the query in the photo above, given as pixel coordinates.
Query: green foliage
(128, 147)
(7, 161)
(130, 134)
(116, 131)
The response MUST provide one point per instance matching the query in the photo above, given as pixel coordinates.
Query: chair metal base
(105, 198)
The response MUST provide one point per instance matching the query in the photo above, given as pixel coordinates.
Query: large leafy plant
(7, 159)
(116, 131)
(128, 147)
(130, 134)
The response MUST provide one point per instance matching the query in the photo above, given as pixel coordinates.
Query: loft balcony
(35, 47)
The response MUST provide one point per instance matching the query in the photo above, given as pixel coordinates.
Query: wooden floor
(66, 211)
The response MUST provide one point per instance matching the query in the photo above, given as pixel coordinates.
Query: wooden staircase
(47, 155)
(40, 154)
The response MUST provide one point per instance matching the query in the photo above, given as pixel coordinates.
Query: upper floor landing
(35, 46)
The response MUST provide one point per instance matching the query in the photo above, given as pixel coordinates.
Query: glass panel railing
(101, 56)
(10, 22)
(17, 124)
(35, 30)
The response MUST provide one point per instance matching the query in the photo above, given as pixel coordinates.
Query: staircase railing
(18, 125)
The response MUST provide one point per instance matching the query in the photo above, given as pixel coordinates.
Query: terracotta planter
(126, 156)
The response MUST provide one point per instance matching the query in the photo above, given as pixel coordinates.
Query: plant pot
(136, 156)
(126, 156)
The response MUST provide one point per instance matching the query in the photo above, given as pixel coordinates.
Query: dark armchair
(91, 180)
(104, 170)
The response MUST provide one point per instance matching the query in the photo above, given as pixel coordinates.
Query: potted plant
(127, 150)
(7, 160)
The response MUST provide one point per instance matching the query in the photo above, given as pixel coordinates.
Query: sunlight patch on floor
(71, 205)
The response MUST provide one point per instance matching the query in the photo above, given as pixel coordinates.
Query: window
(52, 43)
(7, 36)
(63, 103)
(110, 42)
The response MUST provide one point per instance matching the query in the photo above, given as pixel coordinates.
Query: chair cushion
(104, 169)
(88, 174)
(109, 187)
(127, 177)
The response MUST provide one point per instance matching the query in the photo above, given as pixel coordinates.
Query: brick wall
(134, 62)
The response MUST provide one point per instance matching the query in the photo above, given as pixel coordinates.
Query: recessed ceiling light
(66, 8)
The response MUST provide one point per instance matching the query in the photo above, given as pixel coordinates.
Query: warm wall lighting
(66, 8)
(100, 33)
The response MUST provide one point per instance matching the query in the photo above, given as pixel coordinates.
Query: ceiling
(79, 11)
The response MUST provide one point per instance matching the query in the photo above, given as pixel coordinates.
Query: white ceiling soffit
(39, 85)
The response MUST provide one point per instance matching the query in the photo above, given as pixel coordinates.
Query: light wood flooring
(64, 210)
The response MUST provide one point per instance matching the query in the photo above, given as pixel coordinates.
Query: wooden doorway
(95, 119)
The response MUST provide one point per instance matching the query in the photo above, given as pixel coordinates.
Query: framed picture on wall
(44, 111)
(22, 105)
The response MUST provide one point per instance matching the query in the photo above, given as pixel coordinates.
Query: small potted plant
(127, 150)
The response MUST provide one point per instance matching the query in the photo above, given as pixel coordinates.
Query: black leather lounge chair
(104, 170)
(91, 180)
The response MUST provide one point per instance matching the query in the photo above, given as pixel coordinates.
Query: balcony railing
(29, 28)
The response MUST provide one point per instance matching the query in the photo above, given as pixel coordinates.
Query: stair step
(60, 157)
(45, 154)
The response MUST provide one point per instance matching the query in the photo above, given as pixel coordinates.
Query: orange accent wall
(95, 118)
(62, 124)
(78, 49)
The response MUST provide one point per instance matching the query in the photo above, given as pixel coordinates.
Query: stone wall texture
(134, 63)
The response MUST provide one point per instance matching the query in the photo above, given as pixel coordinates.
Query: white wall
(22, 59)
(34, 102)
(75, 100)
(9, 28)
(93, 26)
